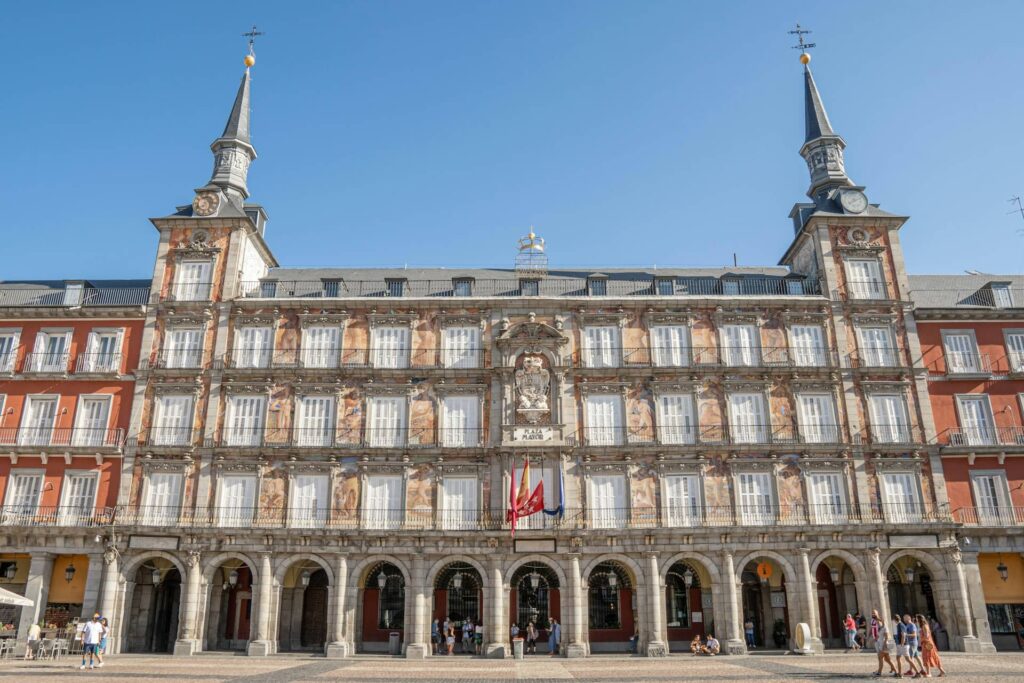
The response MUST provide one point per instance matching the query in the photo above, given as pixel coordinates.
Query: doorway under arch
(611, 607)
(686, 593)
(535, 597)
(459, 598)
(154, 607)
(302, 623)
(383, 607)
(229, 612)
(765, 603)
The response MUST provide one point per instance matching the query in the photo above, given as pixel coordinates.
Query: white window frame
(740, 355)
(15, 512)
(387, 358)
(79, 436)
(188, 290)
(387, 437)
(600, 356)
(309, 518)
(29, 436)
(685, 434)
(603, 517)
(885, 429)
(915, 510)
(742, 434)
(865, 288)
(601, 435)
(461, 517)
(1014, 350)
(44, 360)
(961, 362)
(970, 436)
(8, 357)
(827, 432)
(161, 515)
(182, 434)
(672, 356)
(1001, 514)
(253, 435)
(304, 436)
(83, 514)
(241, 517)
(328, 357)
(467, 436)
(828, 511)
(759, 513)
(888, 355)
(112, 360)
(816, 357)
(386, 518)
(244, 356)
(1002, 296)
(691, 512)
(179, 357)
(455, 355)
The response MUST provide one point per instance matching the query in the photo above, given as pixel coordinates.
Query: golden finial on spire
(250, 58)
(805, 56)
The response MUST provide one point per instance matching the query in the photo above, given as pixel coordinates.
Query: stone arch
(213, 564)
(356, 596)
(436, 568)
(796, 609)
(286, 563)
(927, 559)
(132, 565)
(950, 612)
(638, 572)
(542, 559)
(356, 576)
(210, 626)
(787, 567)
(687, 556)
(859, 572)
(835, 601)
(641, 587)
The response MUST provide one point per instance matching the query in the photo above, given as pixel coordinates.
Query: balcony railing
(1014, 362)
(891, 434)
(7, 360)
(169, 436)
(876, 358)
(551, 286)
(735, 435)
(190, 291)
(56, 515)
(983, 436)
(97, 363)
(860, 290)
(74, 437)
(177, 359)
(989, 516)
(427, 519)
(28, 296)
(46, 361)
(967, 363)
(699, 357)
(329, 358)
(343, 437)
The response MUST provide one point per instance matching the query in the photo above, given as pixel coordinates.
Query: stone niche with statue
(533, 363)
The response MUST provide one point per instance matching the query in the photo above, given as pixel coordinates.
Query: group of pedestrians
(443, 636)
(914, 643)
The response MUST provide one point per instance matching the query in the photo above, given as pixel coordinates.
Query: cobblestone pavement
(214, 668)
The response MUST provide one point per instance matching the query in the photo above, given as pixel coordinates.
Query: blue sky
(436, 133)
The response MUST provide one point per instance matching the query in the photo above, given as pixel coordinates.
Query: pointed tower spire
(233, 151)
(822, 148)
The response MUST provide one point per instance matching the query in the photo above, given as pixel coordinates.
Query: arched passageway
(765, 603)
(687, 604)
(611, 607)
(154, 607)
(836, 596)
(302, 623)
(229, 612)
(459, 599)
(383, 607)
(535, 597)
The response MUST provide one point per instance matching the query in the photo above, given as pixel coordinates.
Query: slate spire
(232, 151)
(822, 148)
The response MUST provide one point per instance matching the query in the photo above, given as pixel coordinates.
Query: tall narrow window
(670, 346)
(961, 353)
(91, 421)
(386, 421)
(23, 491)
(676, 419)
(817, 416)
(991, 494)
(192, 281)
(321, 346)
(162, 498)
(460, 347)
(51, 352)
(807, 344)
(865, 279)
(1014, 348)
(459, 503)
(889, 419)
(755, 498)
(237, 500)
(1001, 295)
(8, 350)
(73, 293)
(682, 500)
(78, 498)
(172, 421)
(604, 420)
(103, 352)
(976, 420)
(876, 347)
(902, 501)
(664, 286)
(598, 286)
(183, 347)
(382, 502)
(315, 424)
(601, 346)
(529, 287)
(243, 425)
(747, 418)
(460, 421)
(741, 345)
(253, 347)
(309, 501)
(827, 498)
(391, 347)
(38, 421)
(609, 508)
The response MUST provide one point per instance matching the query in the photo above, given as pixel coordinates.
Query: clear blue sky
(436, 133)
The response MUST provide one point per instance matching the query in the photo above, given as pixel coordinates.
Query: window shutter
(1015, 345)
(91, 421)
(604, 420)
(461, 347)
(901, 496)
(79, 497)
(961, 355)
(682, 499)
(24, 496)
(671, 347)
(677, 419)
(173, 420)
(977, 421)
(460, 502)
(817, 418)
(808, 345)
(602, 346)
(316, 424)
(890, 422)
(827, 498)
(391, 347)
(246, 420)
(461, 421)
(309, 501)
(756, 498)
(39, 428)
(747, 416)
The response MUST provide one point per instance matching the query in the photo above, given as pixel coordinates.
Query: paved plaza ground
(213, 668)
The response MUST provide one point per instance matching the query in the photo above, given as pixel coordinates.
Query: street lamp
(613, 580)
(457, 581)
(833, 573)
(1004, 571)
(382, 580)
(233, 578)
(11, 570)
(688, 578)
(909, 574)
(304, 578)
(69, 573)
(156, 575)
(534, 580)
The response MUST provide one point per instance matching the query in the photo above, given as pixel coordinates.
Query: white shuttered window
(827, 499)
(244, 422)
(162, 498)
(670, 346)
(183, 347)
(315, 424)
(237, 500)
(38, 420)
(807, 344)
(459, 503)
(756, 506)
(460, 347)
(386, 417)
(889, 419)
(817, 418)
(604, 420)
(253, 347)
(78, 498)
(460, 421)
(602, 346)
(991, 494)
(23, 490)
(1014, 347)
(900, 495)
(608, 503)
(391, 347)
(172, 421)
(876, 347)
(321, 346)
(682, 499)
(865, 279)
(309, 502)
(91, 421)
(382, 502)
(976, 420)
(747, 420)
(676, 419)
(741, 345)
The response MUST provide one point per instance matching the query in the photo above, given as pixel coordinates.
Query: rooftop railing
(979, 297)
(550, 286)
(29, 295)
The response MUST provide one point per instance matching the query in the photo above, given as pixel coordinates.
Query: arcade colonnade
(340, 603)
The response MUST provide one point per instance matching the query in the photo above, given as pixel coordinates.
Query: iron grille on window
(606, 581)
(532, 603)
(390, 598)
(678, 596)
(462, 584)
(331, 288)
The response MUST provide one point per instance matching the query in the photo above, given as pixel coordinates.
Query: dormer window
(268, 289)
(529, 287)
(1001, 295)
(73, 293)
(794, 287)
(331, 288)
(597, 285)
(462, 287)
(730, 287)
(664, 286)
(396, 287)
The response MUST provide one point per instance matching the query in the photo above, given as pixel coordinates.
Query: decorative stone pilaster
(812, 644)
(418, 632)
(187, 643)
(495, 631)
(261, 646)
(734, 643)
(576, 646)
(656, 647)
(339, 647)
(37, 588)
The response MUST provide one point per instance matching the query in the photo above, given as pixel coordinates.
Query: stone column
(338, 647)
(37, 589)
(810, 600)
(879, 588)
(94, 576)
(731, 619)
(576, 647)
(494, 631)
(417, 632)
(972, 579)
(962, 601)
(656, 647)
(107, 602)
(188, 632)
(261, 646)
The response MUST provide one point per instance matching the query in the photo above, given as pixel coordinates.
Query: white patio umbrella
(9, 598)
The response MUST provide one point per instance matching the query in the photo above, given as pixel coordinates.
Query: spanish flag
(523, 502)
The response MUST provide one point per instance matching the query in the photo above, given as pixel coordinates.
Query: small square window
(664, 286)
(396, 287)
(73, 294)
(1001, 296)
(598, 286)
(529, 287)
(731, 287)
(331, 288)
(268, 289)
(463, 287)
(794, 287)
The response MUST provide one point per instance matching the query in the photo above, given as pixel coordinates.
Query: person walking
(450, 639)
(531, 638)
(862, 629)
(435, 636)
(554, 638)
(851, 633)
(514, 631)
(92, 634)
(902, 649)
(102, 649)
(912, 639)
(478, 639)
(32, 646)
(748, 631)
(467, 636)
(929, 652)
(880, 637)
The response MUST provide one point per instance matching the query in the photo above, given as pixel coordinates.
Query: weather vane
(800, 32)
(251, 34)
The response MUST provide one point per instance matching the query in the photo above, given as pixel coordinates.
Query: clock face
(854, 201)
(205, 203)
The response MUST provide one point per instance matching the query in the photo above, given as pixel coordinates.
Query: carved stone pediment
(308, 319)
(392, 319)
(532, 333)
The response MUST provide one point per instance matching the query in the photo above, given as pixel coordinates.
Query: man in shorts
(880, 636)
(92, 634)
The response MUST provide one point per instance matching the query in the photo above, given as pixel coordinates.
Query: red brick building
(68, 354)
(971, 329)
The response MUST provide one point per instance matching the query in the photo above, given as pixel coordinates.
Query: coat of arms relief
(532, 382)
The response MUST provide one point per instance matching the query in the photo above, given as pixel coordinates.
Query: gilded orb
(805, 58)
(251, 59)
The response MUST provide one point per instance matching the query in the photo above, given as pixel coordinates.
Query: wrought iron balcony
(1014, 362)
(344, 437)
(333, 358)
(969, 364)
(877, 358)
(37, 296)
(982, 436)
(891, 435)
(65, 437)
(190, 291)
(97, 363)
(55, 516)
(7, 360)
(867, 290)
(176, 359)
(1001, 516)
(47, 362)
(710, 435)
(169, 436)
(705, 357)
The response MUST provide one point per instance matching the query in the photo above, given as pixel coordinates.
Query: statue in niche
(532, 381)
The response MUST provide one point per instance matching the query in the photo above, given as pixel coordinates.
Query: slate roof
(962, 291)
(96, 292)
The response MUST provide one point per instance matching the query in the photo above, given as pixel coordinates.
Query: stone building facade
(322, 460)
